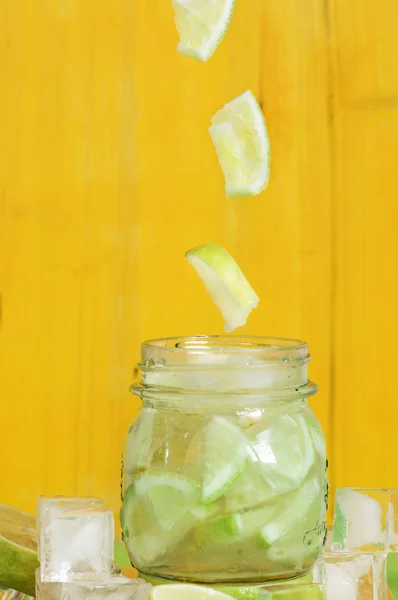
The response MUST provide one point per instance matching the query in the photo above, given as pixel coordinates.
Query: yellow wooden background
(107, 175)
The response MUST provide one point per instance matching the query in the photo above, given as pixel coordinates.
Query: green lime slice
(18, 558)
(249, 490)
(202, 25)
(169, 495)
(185, 591)
(219, 530)
(239, 133)
(297, 509)
(225, 455)
(225, 282)
(285, 452)
(237, 592)
(294, 591)
(151, 525)
(236, 527)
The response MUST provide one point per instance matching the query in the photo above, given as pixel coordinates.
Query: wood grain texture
(107, 176)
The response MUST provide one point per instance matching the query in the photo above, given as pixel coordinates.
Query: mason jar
(224, 477)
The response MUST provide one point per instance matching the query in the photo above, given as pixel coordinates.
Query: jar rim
(192, 349)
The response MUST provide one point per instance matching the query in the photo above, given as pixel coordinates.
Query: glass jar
(224, 477)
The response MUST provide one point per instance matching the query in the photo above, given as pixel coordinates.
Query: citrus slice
(225, 456)
(202, 25)
(150, 525)
(18, 557)
(285, 466)
(253, 592)
(225, 282)
(185, 591)
(169, 496)
(239, 133)
(297, 510)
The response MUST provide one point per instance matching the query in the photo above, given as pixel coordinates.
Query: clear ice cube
(352, 575)
(365, 519)
(48, 508)
(76, 544)
(115, 588)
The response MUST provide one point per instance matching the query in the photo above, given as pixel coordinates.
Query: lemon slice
(225, 282)
(18, 559)
(185, 591)
(202, 25)
(240, 135)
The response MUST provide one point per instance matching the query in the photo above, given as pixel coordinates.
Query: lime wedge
(169, 495)
(225, 282)
(155, 515)
(233, 528)
(240, 135)
(18, 559)
(185, 591)
(299, 505)
(202, 25)
(225, 456)
(238, 592)
(219, 530)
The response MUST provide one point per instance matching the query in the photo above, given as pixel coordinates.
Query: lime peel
(225, 282)
(240, 136)
(202, 25)
(18, 555)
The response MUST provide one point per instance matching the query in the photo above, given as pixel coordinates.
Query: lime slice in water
(233, 528)
(284, 464)
(202, 25)
(18, 560)
(169, 495)
(225, 456)
(225, 282)
(299, 505)
(240, 135)
(155, 514)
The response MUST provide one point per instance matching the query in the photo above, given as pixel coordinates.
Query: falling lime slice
(18, 559)
(225, 282)
(225, 456)
(185, 591)
(240, 135)
(202, 25)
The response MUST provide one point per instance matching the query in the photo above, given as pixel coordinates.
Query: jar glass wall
(224, 469)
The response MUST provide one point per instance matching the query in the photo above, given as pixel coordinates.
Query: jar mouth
(220, 364)
(214, 351)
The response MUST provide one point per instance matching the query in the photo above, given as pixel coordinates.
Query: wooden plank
(367, 293)
(366, 47)
(108, 176)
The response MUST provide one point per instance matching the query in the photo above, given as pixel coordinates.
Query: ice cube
(115, 588)
(365, 519)
(49, 508)
(77, 544)
(352, 575)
